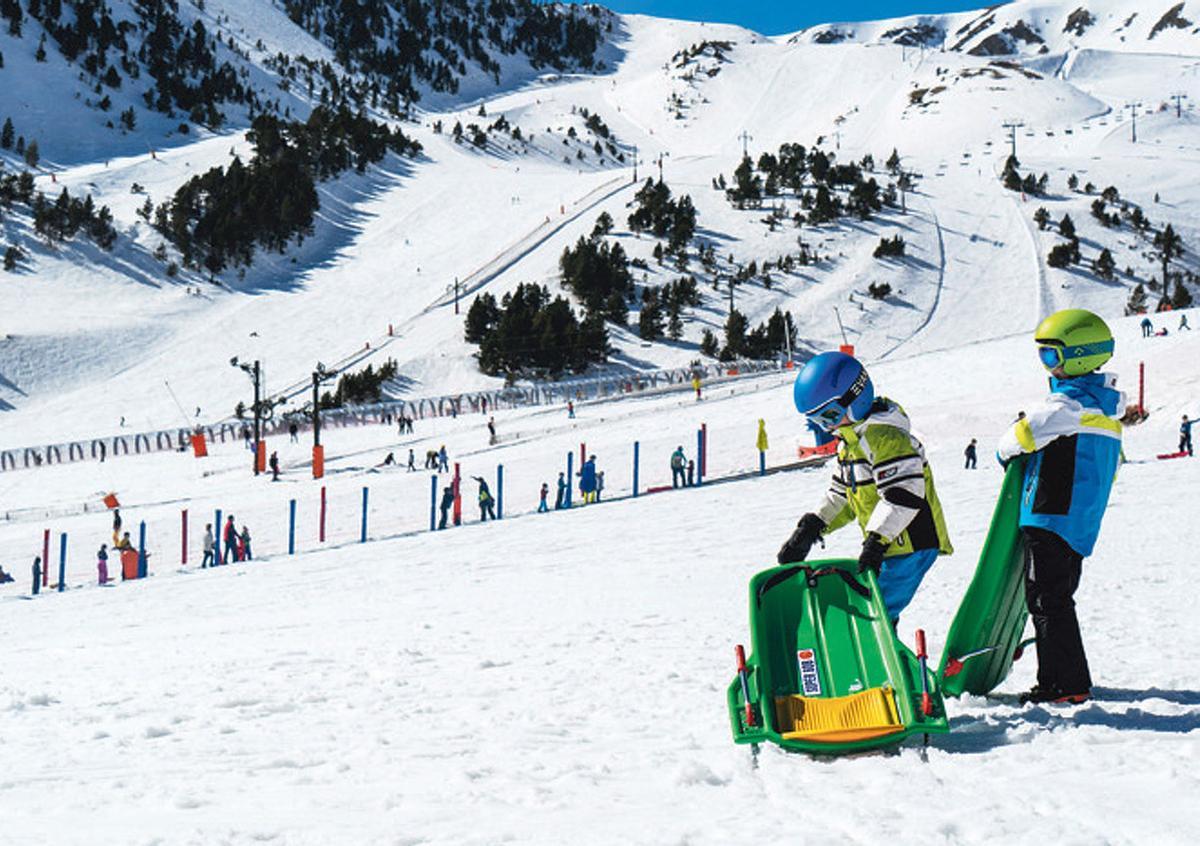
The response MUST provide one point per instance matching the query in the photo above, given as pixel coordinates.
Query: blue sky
(773, 17)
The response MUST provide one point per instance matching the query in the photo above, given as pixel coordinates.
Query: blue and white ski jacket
(1075, 441)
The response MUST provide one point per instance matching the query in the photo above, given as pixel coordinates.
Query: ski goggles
(1055, 355)
(830, 414)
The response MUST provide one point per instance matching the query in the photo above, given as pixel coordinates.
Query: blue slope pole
(62, 562)
(636, 447)
(499, 491)
(292, 527)
(699, 457)
(433, 502)
(762, 463)
(570, 476)
(217, 541)
(142, 551)
(363, 535)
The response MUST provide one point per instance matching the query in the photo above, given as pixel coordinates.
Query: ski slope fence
(233, 430)
(367, 504)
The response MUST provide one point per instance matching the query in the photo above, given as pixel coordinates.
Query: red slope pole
(183, 537)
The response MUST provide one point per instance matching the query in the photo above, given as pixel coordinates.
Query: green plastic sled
(985, 637)
(826, 673)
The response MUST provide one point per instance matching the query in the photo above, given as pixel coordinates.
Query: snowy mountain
(511, 173)
(1031, 27)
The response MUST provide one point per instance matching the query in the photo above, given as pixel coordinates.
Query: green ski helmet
(1076, 339)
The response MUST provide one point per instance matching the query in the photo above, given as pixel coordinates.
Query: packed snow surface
(560, 677)
(555, 678)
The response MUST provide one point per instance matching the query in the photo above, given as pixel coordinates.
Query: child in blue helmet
(882, 480)
(1074, 443)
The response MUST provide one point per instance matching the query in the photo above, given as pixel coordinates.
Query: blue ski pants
(900, 577)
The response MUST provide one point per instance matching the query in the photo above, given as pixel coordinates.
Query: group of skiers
(1071, 445)
(683, 469)
(1148, 330)
(237, 544)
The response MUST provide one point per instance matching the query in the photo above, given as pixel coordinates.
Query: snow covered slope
(561, 677)
(89, 337)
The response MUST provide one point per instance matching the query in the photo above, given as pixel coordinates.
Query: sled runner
(1168, 455)
(827, 673)
(985, 636)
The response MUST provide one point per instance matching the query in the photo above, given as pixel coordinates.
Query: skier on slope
(560, 498)
(1074, 440)
(678, 468)
(1185, 435)
(587, 480)
(882, 480)
(486, 500)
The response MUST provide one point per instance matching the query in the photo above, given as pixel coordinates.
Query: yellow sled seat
(840, 719)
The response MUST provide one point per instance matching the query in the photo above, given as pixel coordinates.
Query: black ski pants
(1052, 571)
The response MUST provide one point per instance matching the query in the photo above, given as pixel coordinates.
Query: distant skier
(696, 387)
(882, 480)
(486, 501)
(293, 432)
(274, 464)
(587, 480)
(570, 410)
(102, 564)
(1147, 327)
(444, 507)
(491, 431)
(230, 538)
(5, 578)
(1185, 435)
(412, 462)
(1183, 324)
(599, 485)
(678, 468)
(545, 492)
(1074, 443)
(560, 498)
(389, 460)
(443, 460)
(244, 544)
(37, 574)
(116, 525)
(207, 560)
(691, 472)
(969, 452)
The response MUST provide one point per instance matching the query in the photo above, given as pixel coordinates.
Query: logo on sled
(810, 682)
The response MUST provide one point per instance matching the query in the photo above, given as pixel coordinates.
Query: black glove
(808, 531)
(871, 557)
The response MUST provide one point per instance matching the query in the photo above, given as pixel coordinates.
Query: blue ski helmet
(830, 386)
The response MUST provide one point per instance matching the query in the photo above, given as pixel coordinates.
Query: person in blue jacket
(1185, 435)
(1073, 441)
(587, 480)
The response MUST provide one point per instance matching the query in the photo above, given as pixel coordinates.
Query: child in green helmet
(1074, 443)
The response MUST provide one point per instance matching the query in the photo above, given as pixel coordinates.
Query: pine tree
(32, 155)
(893, 162)
(6, 134)
(1066, 227)
(1167, 245)
(1073, 182)
(1041, 217)
(1104, 265)
(650, 321)
(735, 336)
(708, 344)
(1137, 300)
(1182, 298)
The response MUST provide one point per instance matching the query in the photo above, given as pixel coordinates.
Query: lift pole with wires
(1012, 126)
(1133, 109)
(745, 138)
